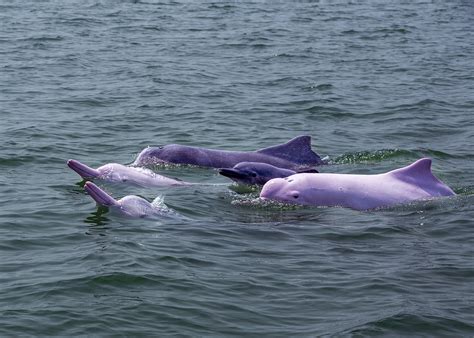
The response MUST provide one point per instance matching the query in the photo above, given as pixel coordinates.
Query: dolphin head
(257, 173)
(135, 206)
(254, 173)
(286, 190)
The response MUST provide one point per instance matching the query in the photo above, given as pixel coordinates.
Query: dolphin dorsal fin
(419, 174)
(297, 150)
(418, 170)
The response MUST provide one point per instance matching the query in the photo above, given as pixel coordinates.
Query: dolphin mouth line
(99, 195)
(83, 170)
(231, 173)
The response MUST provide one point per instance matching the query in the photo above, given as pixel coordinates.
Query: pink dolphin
(131, 206)
(114, 172)
(360, 192)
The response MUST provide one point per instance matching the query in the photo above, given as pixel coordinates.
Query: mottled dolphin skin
(294, 154)
(256, 173)
(114, 172)
(360, 192)
(132, 206)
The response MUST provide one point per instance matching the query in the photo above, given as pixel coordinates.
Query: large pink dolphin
(360, 192)
(114, 172)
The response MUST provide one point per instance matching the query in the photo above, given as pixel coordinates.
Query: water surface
(377, 85)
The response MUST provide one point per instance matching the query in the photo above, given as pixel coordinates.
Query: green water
(377, 85)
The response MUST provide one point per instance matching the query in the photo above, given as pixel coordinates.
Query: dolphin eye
(295, 194)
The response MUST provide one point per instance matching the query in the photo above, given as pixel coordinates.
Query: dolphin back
(297, 150)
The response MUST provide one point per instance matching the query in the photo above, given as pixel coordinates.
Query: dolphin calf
(255, 173)
(293, 154)
(132, 206)
(360, 192)
(114, 172)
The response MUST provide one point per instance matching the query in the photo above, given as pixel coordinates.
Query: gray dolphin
(293, 154)
(255, 173)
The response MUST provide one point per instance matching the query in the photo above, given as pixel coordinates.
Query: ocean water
(376, 84)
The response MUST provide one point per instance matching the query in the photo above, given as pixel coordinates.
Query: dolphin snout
(231, 173)
(99, 195)
(83, 170)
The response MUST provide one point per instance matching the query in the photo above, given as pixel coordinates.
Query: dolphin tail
(99, 195)
(297, 150)
(83, 170)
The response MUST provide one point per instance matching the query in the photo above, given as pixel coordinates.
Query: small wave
(323, 86)
(392, 30)
(86, 102)
(357, 235)
(44, 38)
(350, 32)
(224, 6)
(318, 112)
(97, 217)
(81, 20)
(371, 156)
(466, 190)
(17, 161)
(289, 56)
(259, 203)
(186, 261)
(281, 80)
(117, 279)
(422, 103)
(245, 189)
(404, 324)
